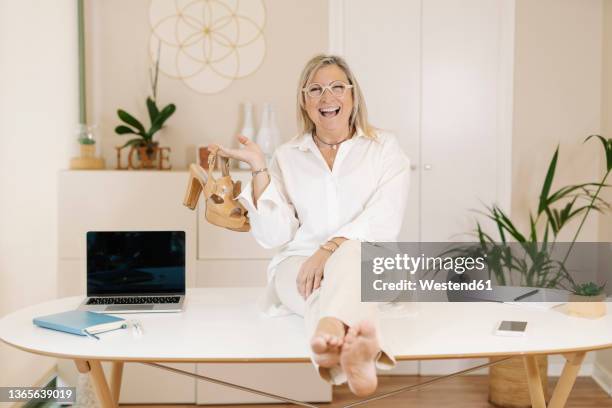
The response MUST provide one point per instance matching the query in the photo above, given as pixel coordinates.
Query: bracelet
(327, 248)
(256, 172)
(333, 242)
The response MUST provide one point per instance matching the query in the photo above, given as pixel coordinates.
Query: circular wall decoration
(208, 43)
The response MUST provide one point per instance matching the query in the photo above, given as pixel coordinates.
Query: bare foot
(358, 358)
(327, 342)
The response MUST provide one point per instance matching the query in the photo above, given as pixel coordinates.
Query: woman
(340, 182)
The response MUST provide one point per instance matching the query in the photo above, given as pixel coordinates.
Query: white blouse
(305, 204)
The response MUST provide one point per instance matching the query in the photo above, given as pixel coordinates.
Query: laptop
(135, 271)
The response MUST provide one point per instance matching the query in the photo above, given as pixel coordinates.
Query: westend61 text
(403, 284)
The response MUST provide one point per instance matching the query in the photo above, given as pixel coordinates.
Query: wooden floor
(459, 392)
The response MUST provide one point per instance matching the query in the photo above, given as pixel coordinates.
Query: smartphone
(511, 328)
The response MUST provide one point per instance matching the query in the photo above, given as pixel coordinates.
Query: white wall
(38, 112)
(118, 33)
(557, 98)
(604, 358)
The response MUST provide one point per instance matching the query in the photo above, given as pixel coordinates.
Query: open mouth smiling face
(331, 110)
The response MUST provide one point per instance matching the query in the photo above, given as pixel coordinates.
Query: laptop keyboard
(133, 300)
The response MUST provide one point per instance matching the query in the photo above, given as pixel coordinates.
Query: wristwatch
(329, 247)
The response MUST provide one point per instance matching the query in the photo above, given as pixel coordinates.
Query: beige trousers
(339, 296)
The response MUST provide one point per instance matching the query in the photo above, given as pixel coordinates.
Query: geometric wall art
(208, 44)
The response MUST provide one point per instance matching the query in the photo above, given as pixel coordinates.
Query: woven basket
(508, 383)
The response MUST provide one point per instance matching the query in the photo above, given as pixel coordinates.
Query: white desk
(223, 325)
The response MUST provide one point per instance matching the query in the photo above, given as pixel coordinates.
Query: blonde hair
(359, 115)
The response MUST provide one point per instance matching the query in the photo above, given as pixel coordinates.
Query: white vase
(263, 138)
(248, 129)
(274, 130)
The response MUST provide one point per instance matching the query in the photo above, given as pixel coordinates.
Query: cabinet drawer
(231, 272)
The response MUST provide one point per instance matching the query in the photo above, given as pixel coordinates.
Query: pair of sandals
(222, 208)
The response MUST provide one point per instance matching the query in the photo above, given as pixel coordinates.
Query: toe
(318, 344)
(366, 328)
(350, 336)
(334, 341)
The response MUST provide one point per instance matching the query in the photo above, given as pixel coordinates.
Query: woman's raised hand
(251, 154)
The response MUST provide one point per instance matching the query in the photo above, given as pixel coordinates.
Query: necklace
(332, 145)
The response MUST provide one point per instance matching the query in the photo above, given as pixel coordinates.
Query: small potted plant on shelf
(587, 300)
(88, 144)
(143, 142)
(87, 159)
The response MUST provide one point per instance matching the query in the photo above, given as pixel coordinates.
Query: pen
(533, 292)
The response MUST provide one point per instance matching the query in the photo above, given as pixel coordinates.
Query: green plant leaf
(607, 145)
(533, 235)
(509, 226)
(130, 120)
(133, 142)
(550, 174)
(123, 130)
(566, 191)
(161, 119)
(152, 109)
(588, 289)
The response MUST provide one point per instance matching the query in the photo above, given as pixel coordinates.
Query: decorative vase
(590, 307)
(274, 130)
(267, 132)
(264, 134)
(508, 383)
(248, 129)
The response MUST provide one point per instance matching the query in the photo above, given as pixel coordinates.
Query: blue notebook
(80, 322)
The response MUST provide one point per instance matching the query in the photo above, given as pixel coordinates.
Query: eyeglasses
(337, 88)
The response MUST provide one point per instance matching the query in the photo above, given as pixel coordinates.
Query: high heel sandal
(222, 208)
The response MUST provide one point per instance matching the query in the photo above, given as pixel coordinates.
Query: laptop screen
(135, 262)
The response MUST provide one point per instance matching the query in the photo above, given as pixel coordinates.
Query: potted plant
(587, 300)
(144, 137)
(535, 266)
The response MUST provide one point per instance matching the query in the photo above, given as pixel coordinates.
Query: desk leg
(567, 379)
(535, 382)
(100, 384)
(116, 376)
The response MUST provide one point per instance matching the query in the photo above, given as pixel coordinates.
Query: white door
(382, 43)
(438, 73)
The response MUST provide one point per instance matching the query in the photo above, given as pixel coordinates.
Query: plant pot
(147, 154)
(508, 382)
(590, 307)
